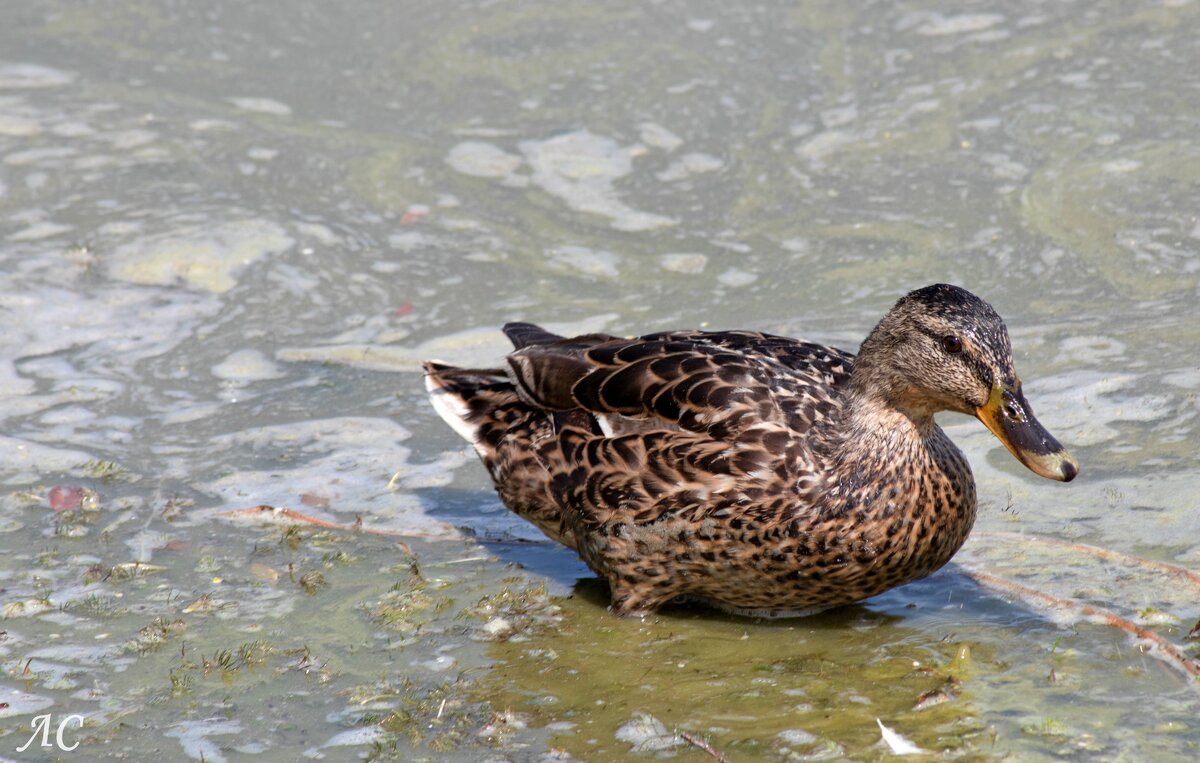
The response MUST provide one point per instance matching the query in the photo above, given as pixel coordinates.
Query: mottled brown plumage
(758, 473)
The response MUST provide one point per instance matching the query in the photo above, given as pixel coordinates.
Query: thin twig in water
(1173, 570)
(703, 745)
(1163, 649)
(283, 514)
(464, 560)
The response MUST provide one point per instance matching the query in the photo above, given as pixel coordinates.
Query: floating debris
(645, 733)
(947, 692)
(896, 743)
(684, 263)
(482, 160)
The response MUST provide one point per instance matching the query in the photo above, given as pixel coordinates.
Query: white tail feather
(452, 408)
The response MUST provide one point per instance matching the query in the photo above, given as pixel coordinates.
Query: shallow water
(229, 232)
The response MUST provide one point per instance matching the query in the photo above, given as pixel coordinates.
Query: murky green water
(229, 232)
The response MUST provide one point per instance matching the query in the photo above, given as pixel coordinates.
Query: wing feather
(723, 384)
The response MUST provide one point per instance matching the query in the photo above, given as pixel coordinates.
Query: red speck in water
(404, 309)
(175, 545)
(65, 498)
(413, 215)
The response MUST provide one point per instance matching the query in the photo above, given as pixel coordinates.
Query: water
(229, 232)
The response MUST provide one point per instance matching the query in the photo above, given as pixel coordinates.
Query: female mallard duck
(761, 474)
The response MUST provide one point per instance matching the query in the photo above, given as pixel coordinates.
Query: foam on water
(202, 256)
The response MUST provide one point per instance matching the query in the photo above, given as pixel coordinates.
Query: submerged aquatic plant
(96, 605)
(153, 636)
(106, 471)
(227, 662)
(313, 583)
(291, 536)
(440, 718)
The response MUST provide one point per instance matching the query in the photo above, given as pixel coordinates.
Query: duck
(759, 474)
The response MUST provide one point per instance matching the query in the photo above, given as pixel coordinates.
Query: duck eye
(952, 344)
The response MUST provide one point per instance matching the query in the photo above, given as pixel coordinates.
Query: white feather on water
(896, 743)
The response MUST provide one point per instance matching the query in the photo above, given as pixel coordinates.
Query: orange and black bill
(1008, 415)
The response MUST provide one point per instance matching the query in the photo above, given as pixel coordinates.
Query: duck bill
(1010, 418)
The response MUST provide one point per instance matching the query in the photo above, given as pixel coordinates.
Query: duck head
(943, 348)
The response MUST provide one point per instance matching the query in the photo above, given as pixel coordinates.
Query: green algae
(378, 176)
(742, 684)
(1077, 200)
(574, 39)
(127, 28)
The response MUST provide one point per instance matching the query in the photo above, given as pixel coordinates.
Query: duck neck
(881, 407)
(874, 428)
(882, 436)
(894, 475)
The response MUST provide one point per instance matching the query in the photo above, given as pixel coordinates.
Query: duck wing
(729, 385)
(703, 424)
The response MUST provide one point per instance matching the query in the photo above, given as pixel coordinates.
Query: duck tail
(464, 397)
(527, 334)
